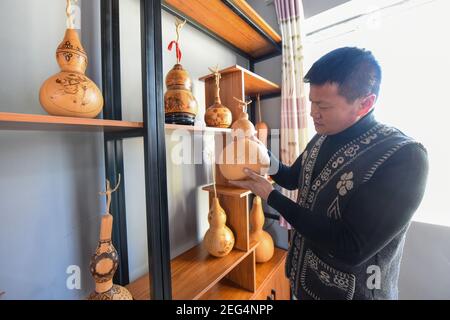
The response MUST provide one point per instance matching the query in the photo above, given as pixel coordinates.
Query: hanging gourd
(180, 106)
(264, 250)
(70, 93)
(261, 127)
(105, 261)
(243, 151)
(218, 115)
(219, 239)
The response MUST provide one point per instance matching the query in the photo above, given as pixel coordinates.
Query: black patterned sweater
(358, 191)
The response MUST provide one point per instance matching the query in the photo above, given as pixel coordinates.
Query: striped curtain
(294, 135)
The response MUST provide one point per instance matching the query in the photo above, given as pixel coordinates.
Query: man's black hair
(355, 71)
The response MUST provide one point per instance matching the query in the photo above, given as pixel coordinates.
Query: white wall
(49, 181)
(424, 272)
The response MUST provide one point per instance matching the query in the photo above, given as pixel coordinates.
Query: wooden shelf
(20, 121)
(171, 127)
(227, 290)
(228, 191)
(220, 20)
(253, 83)
(232, 191)
(193, 273)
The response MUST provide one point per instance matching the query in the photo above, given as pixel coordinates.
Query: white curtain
(294, 135)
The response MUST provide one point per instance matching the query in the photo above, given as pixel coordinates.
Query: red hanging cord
(177, 49)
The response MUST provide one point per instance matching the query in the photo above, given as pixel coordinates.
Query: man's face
(331, 112)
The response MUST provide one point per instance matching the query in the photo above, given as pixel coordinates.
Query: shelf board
(196, 271)
(220, 20)
(193, 273)
(231, 190)
(228, 191)
(227, 290)
(21, 121)
(253, 83)
(171, 127)
(256, 18)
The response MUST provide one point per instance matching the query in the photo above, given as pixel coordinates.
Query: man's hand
(258, 184)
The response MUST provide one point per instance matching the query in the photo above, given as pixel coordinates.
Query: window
(409, 39)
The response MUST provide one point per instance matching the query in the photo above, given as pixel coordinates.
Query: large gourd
(70, 93)
(180, 106)
(243, 152)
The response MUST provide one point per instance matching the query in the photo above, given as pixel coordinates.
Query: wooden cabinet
(275, 286)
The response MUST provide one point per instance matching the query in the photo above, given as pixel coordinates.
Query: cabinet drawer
(275, 288)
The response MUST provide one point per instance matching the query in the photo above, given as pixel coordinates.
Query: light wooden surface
(253, 83)
(256, 18)
(193, 273)
(22, 121)
(244, 274)
(275, 288)
(227, 290)
(215, 16)
(140, 288)
(269, 276)
(228, 191)
(264, 271)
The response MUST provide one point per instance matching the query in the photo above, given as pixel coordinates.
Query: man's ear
(366, 104)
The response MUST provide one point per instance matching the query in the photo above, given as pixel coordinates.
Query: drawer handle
(273, 294)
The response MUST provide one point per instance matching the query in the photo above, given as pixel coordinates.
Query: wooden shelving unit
(21, 121)
(227, 290)
(238, 82)
(194, 273)
(234, 22)
(253, 83)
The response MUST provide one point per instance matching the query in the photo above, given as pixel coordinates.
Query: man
(359, 184)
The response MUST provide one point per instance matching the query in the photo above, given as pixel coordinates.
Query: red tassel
(177, 49)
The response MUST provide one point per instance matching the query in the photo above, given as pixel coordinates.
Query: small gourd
(265, 248)
(105, 261)
(219, 239)
(218, 115)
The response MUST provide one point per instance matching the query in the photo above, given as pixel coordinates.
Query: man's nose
(314, 112)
